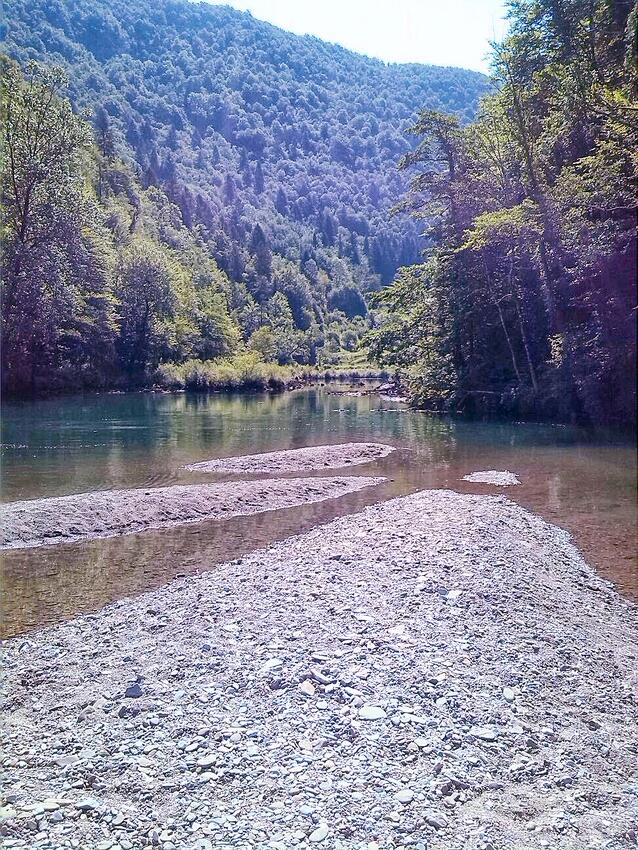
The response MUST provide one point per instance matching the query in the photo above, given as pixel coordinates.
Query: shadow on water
(580, 481)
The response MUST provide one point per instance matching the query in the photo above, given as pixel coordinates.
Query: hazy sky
(436, 32)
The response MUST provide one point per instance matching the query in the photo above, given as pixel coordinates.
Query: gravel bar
(500, 478)
(107, 513)
(436, 671)
(297, 460)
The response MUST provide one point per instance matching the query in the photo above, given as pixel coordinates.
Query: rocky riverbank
(106, 513)
(437, 671)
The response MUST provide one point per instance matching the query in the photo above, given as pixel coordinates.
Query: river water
(581, 481)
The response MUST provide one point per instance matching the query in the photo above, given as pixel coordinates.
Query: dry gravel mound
(437, 671)
(501, 478)
(107, 513)
(297, 460)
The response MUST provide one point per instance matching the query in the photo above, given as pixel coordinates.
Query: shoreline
(287, 381)
(437, 669)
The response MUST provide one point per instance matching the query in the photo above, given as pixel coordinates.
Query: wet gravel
(85, 516)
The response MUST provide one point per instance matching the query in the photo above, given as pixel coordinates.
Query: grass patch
(248, 371)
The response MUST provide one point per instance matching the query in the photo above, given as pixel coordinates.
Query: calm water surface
(585, 483)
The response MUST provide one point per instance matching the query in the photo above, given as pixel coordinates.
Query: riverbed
(436, 671)
(581, 481)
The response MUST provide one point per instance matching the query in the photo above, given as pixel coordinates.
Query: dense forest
(525, 301)
(183, 184)
(197, 184)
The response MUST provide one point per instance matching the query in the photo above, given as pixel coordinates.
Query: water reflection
(73, 445)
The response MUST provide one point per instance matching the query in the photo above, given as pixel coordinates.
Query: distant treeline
(526, 301)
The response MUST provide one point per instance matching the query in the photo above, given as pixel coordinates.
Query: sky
(434, 32)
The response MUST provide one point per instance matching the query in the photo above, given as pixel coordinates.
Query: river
(582, 481)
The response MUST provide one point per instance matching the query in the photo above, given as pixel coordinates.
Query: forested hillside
(274, 155)
(526, 302)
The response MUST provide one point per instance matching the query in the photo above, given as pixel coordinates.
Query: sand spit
(84, 516)
(297, 460)
(493, 476)
(437, 671)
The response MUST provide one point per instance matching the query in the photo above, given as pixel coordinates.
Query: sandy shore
(437, 671)
(297, 460)
(85, 516)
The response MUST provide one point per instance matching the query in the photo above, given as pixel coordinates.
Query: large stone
(319, 834)
(483, 733)
(88, 804)
(307, 687)
(405, 795)
(371, 712)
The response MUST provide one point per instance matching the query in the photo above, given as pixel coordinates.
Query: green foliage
(245, 371)
(57, 308)
(527, 301)
(145, 286)
(104, 280)
(101, 278)
(249, 371)
(419, 336)
(214, 128)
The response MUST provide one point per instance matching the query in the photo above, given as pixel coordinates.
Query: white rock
(320, 833)
(483, 733)
(405, 795)
(371, 712)
(501, 478)
(307, 687)
(436, 819)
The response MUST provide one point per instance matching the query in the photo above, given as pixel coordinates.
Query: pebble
(371, 712)
(319, 834)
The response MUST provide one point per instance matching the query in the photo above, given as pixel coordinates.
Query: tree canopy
(526, 300)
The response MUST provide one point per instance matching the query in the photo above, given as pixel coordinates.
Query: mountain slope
(203, 93)
(280, 149)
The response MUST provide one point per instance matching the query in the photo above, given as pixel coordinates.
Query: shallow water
(585, 483)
